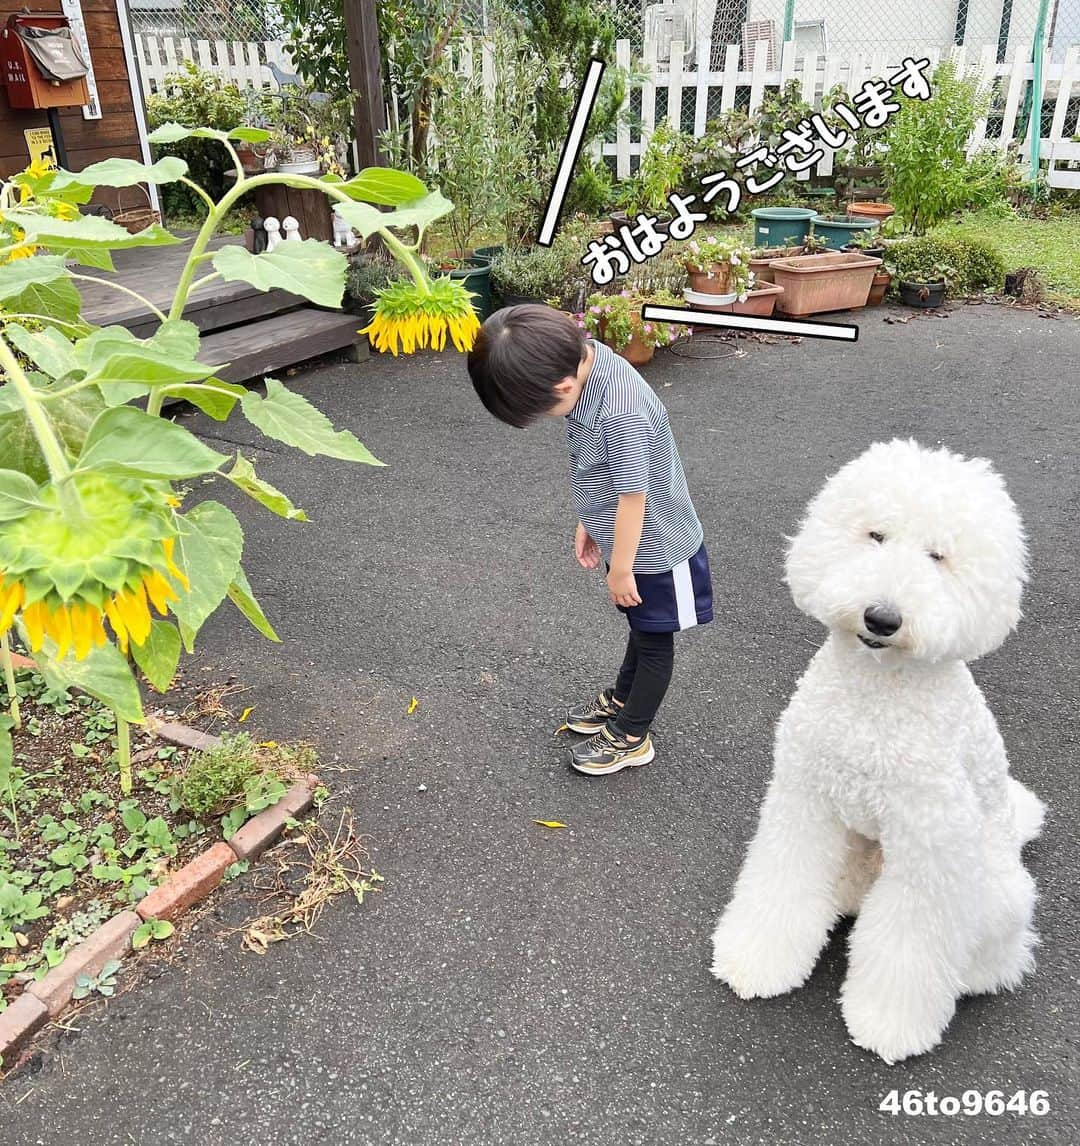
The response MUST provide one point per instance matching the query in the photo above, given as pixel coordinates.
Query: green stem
(44, 318)
(123, 753)
(9, 680)
(123, 290)
(198, 191)
(42, 427)
(204, 280)
(242, 186)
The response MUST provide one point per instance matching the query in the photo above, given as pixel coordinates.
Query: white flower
(734, 259)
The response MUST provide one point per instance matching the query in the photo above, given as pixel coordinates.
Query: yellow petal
(82, 632)
(136, 614)
(10, 600)
(112, 611)
(58, 625)
(549, 823)
(34, 619)
(159, 591)
(168, 545)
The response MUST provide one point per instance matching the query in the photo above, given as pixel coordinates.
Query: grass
(1051, 245)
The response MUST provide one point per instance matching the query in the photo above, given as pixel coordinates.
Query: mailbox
(41, 65)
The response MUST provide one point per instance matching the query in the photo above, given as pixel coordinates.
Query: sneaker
(608, 752)
(591, 717)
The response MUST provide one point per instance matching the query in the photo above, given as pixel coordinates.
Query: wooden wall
(87, 140)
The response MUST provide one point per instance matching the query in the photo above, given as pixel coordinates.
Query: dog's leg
(1028, 810)
(1004, 954)
(771, 933)
(916, 931)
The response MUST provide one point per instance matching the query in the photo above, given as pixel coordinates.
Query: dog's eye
(934, 556)
(878, 537)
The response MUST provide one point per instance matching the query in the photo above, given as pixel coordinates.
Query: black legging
(643, 680)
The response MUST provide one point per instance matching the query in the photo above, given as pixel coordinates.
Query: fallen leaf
(414, 704)
(549, 823)
(268, 744)
(245, 714)
(21, 939)
(561, 728)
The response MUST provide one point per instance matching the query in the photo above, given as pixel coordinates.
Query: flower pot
(869, 252)
(836, 231)
(636, 352)
(781, 226)
(714, 281)
(475, 275)
(762, 265)
(708, 301)
(299, 161)
(924, 295)
(760, 301)
(878, 287)
(814, 284)
(876, 211)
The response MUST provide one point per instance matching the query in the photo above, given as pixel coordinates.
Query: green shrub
(926, 163)
(219, 775)
(366, 275)
(200, 99)
(967, 265)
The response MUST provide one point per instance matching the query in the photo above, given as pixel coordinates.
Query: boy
(633, 506)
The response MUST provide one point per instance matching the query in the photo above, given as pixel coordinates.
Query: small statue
(344, 235)
(258, 235)
(291, 228)
(273, 232)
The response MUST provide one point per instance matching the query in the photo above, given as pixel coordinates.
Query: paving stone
(191, 883)
(265, 827)
(111, 940)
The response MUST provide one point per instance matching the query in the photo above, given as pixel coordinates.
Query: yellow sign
(39, 142)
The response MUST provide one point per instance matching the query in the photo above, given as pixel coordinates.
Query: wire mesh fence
(847, 27)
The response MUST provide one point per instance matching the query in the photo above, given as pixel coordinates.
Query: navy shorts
(672, 601)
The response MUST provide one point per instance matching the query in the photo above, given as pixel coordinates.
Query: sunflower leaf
(18, 495)
(71, 417)
(289, 418)
(159, 654)
(381, 185)
(310, 268)
(242, 597)
(243, 476)
(208, 549)
(132, 443)
(103, 673)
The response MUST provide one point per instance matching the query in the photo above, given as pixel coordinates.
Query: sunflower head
(406, 316)
(64, 578)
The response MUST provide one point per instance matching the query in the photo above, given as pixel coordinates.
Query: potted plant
(867, 243)
(879, 285)
(615, 319)
(925, 284)
(762, 257)
(538, 274)
(715, 265)
(309, 133)
(837, 230)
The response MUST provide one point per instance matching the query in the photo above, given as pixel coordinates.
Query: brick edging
(47, 997)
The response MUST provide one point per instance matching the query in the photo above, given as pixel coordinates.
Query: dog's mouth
(872, 644)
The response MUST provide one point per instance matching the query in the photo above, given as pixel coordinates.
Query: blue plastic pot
(836, 231)
(781, 226)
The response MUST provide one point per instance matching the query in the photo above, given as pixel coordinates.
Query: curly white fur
(891, 797)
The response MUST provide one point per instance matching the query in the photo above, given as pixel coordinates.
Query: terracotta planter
(814, 284)
(762, 265)
(878, 288)
(760, 302)
(636, 352)
(716, 282)
(877, 211)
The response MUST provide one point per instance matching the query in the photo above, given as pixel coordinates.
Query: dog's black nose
(882, 620)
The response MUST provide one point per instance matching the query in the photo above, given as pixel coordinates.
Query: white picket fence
(245, 63)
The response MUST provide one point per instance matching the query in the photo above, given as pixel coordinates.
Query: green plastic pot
(782, 226)
(836, 231)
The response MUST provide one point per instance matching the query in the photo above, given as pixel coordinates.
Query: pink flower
(647, 328)
(594, 310)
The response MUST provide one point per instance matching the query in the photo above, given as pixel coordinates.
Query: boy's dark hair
(519, 356)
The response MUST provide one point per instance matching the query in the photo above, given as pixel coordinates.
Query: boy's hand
(585, 549)
(622, 587)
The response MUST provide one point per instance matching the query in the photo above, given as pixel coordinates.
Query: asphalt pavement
(514, 984)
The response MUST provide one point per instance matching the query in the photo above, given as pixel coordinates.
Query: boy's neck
(584, 368)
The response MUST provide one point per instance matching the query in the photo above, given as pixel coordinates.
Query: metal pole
(1035, 119)
(789, 21)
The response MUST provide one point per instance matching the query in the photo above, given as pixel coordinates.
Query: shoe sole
(618, 766)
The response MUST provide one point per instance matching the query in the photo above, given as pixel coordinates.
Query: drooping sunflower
(65, 578)
(405, 316)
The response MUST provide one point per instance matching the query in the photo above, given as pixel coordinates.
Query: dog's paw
(897, 1022)
(753, 964)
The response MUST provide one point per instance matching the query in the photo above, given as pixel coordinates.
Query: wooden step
(274, 344)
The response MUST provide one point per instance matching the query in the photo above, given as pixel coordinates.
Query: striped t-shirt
(620, 442)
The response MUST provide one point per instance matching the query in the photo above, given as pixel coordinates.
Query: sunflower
(405, 315)
(65, 581)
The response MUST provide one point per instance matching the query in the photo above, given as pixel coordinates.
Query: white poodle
(891, 797)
